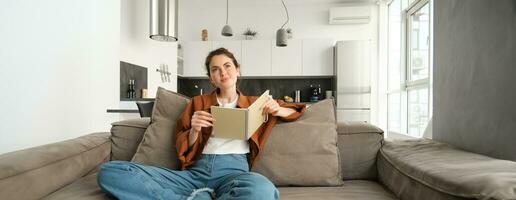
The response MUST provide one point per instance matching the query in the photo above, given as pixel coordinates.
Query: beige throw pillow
(158, 144)
(303, 152)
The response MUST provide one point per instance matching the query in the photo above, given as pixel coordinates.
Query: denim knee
(110, 169)
(262, 188)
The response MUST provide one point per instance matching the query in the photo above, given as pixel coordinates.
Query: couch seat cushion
(356, 190)
(85, 188)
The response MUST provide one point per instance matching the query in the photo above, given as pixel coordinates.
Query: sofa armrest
(126, 136)
(426, 169)
(357, 127)
(36, 172)
(358, 144)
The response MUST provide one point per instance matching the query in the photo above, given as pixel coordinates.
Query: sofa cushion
(85, 188)
(126, 135)
(303, 152)
(350, 190)
(434, 170)
(359, 143)
(158, 144)
(356, 127)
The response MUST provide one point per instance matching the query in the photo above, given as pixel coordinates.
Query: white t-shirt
(226, 146)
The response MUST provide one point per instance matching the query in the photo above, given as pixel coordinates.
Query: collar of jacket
(242, 102)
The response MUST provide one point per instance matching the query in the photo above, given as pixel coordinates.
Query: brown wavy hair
(220, 51)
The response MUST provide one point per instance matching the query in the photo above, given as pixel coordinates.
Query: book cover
(239, 123)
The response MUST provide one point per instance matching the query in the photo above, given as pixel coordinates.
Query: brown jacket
(187, 156)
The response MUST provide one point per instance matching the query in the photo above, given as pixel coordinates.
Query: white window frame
(407, 84)
(413, 8)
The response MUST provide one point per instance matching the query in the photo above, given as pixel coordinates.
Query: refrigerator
(352, 69)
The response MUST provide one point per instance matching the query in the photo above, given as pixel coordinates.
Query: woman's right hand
(201, 119)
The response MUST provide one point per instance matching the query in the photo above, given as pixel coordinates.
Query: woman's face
(223, 72)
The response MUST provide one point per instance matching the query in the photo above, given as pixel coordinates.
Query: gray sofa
(371, 168)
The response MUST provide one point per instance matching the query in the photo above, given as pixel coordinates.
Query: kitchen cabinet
(256, 58)
(287, 61)
(317, 57)
(307, 57)
(194, 55)
(233, 46)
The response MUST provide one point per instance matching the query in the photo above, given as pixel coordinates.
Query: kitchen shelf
(137, 99)
(122, 111)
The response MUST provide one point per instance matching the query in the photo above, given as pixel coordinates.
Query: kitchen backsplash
(279, 87)
(137, 73)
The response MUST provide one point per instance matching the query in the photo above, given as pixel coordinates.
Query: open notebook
(239, 123)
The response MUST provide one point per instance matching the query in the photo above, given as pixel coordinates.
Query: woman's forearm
(284, 112)
(192, 137)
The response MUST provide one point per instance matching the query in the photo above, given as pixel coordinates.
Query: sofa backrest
(358, 143)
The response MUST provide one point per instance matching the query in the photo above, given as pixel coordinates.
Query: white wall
(59, 62)
(308, 19)
(137, 48)
(383, 17)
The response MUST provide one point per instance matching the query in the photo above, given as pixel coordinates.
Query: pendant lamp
(281, 34)
(226, 30)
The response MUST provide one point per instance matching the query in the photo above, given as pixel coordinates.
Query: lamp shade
(281, 37)
(160, 21)
(227, 31)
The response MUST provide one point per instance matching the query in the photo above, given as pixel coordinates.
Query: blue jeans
(211, 177)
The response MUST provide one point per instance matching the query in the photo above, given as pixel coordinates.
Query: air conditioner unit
(350, 15)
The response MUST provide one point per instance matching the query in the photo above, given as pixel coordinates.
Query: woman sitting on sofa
(210, 167)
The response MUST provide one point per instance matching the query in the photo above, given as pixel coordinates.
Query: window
(408, 67)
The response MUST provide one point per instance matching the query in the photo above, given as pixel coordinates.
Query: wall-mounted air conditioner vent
(350, 15)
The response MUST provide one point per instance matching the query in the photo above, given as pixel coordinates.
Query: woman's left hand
(271, 107)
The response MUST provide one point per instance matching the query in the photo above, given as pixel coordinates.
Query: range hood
(163, 23)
